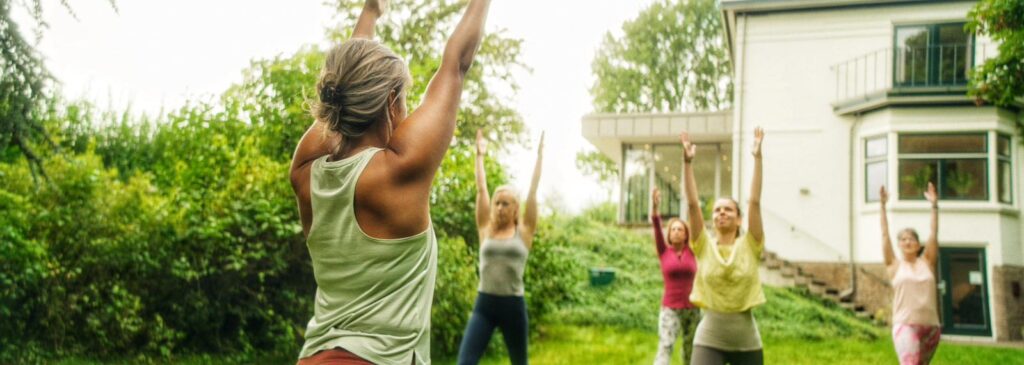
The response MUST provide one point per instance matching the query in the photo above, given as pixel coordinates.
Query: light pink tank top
(914, 295)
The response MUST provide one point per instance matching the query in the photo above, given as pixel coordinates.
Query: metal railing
(905, 67)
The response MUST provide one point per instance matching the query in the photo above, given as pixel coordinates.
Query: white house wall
(786, 85)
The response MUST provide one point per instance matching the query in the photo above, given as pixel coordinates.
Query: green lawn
(616, 324)
(607, 345)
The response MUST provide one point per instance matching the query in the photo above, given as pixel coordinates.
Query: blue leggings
(490, 311)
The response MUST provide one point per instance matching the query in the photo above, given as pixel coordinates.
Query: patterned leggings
(915, 344)
(671, 324)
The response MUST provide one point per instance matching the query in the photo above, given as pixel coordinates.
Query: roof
(751, 6)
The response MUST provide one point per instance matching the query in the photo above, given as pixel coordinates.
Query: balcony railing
(935, 68)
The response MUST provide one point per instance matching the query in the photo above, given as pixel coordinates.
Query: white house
(853, 95)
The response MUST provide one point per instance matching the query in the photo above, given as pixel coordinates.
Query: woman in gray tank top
(361, 176)
(505, 243)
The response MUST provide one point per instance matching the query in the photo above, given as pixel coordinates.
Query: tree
(1000, 80)
(26, 86)
(671, 58)
(417, 30)
(598, 166)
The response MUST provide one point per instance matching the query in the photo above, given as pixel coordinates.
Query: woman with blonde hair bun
(361, 175)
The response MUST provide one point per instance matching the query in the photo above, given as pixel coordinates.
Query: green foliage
(671, 58)
(597, 165)
(1000, 80)
(158, 237)
(26, 86)
(453, 295)
(633, 300)
(789, 311)
(417, 30)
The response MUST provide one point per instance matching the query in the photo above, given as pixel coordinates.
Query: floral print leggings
(915, 344)
(671, 324)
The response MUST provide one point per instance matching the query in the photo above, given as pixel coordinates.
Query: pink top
(914, 297)
(678, 270)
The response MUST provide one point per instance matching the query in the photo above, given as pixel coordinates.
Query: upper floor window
(932, 55)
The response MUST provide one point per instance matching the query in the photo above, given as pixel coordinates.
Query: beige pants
(728, 331)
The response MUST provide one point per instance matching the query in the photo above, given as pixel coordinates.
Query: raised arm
(530, 216)
(372, 10)
(659, 237)
(754, 210)
(483, 199)
(420, 142)
(696, 217)
(887, 252)
(318, 141)
(931, 251)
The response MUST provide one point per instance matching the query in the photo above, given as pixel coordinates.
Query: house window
(1005, 172)
(661, 165)
(956, 163)
(932, 55)
(876, 166)
(636, 182)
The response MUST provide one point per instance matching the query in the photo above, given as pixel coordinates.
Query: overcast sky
(157, 54)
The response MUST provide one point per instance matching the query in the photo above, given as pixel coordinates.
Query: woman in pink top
(915, 316)
(678, 316)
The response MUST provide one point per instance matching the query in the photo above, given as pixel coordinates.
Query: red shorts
(335, 356)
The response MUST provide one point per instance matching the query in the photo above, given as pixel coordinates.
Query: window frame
(932, 69)
(1008, 160)
(882, 159)
(941, 158)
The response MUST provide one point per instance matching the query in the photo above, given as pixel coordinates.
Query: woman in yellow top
(728, 285)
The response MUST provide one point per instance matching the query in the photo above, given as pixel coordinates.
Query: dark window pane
(967, 289)
(875, 175)
(1005, 181)
(914, 177)
(911, 55)
(953, 53)
(1003, 145)
(948, 143)
(964, 179)
(876, 147)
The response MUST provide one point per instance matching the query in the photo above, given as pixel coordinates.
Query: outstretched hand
(931, 195)
(758, 138)
(883, 195)
(655, 199)
(689, 149)
(481, 143)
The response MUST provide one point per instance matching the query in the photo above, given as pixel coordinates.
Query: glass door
(964, 291)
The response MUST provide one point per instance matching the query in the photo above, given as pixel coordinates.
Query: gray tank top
(502, 262)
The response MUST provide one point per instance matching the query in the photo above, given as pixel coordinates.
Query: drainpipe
(737, 146)
(849, 293)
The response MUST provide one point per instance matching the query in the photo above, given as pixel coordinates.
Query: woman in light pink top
(915, 316)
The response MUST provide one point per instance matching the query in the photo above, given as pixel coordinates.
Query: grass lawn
(608, 345)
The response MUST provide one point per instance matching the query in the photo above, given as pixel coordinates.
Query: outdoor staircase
(778, 272)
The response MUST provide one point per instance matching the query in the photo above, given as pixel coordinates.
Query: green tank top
(373, 295)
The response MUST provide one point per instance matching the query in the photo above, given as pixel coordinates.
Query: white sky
(157, 54)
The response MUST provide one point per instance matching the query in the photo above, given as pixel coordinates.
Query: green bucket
(601, 276)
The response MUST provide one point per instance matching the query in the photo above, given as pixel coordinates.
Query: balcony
(917, 75)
